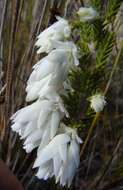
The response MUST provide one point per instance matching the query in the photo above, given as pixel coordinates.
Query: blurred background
(101, 165)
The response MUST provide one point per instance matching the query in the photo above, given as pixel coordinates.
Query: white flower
(33, 90)
(87, 14)
(41, 70)
(71, 51)
(38, 122)
(51, 72)
(60, 158)
(98, 102)
(58, 31)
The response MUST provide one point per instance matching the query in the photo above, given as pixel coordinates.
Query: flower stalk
(98, 114)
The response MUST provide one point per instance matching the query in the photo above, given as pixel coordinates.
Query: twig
(90, 132)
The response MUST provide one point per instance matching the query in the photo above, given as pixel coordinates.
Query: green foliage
(112, 9)
(93, 74)
(96, 4)
(104, 48)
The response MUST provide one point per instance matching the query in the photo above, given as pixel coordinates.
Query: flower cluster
(39, 124)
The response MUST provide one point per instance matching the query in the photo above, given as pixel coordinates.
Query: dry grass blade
(108, 165)
(3, 19)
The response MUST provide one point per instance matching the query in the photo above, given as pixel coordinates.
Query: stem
(90, 132)
(113, 70)
(97, 116)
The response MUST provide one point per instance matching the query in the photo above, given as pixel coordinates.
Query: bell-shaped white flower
(41, 70)
(49, 74)
(33, 90)
(38, 122)
(71, 52)
(87, 14)
(51, 83)
(60, 158)
(58, 31)
(68, 170)
(98, 102)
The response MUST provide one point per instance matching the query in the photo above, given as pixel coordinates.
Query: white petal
(36, 135)
(21, 130)
(57, 164)
(16, 126)
(41, 172)
(44, 117)
(71, 169)
(45, 155)
(74, 147)
(45, 170)
(79, 140)
(51, 149)
(45, 139)
(34, 89)
(29, 113)
(30, 146)
(46, 90)
(41, 71)
(63, 152)
(31, 126)
(57, 31)
(55, 120)
(59, 140)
